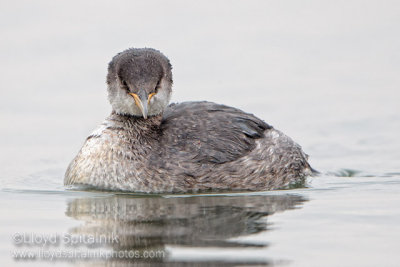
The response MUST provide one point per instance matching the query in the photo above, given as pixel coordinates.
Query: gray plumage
(147, 146)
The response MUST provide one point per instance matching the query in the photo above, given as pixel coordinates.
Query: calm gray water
(324, 72)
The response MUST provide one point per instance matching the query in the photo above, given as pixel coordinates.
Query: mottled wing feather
(208, 133)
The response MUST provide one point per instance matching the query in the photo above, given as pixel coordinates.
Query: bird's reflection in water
(145, 224)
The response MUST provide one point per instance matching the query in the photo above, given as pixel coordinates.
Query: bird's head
(139, 82)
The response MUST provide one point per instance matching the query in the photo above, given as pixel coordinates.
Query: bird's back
(209, 132)
(203, 145)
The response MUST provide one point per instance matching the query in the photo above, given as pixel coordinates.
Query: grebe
(146, 145)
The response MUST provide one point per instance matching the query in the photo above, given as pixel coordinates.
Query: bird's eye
(157, 87)
(125, 85)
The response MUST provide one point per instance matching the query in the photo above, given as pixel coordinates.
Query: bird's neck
(137, 126)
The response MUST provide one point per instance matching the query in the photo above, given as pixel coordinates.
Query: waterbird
(148, 145)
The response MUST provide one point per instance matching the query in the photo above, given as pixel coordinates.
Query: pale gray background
(324, 72)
